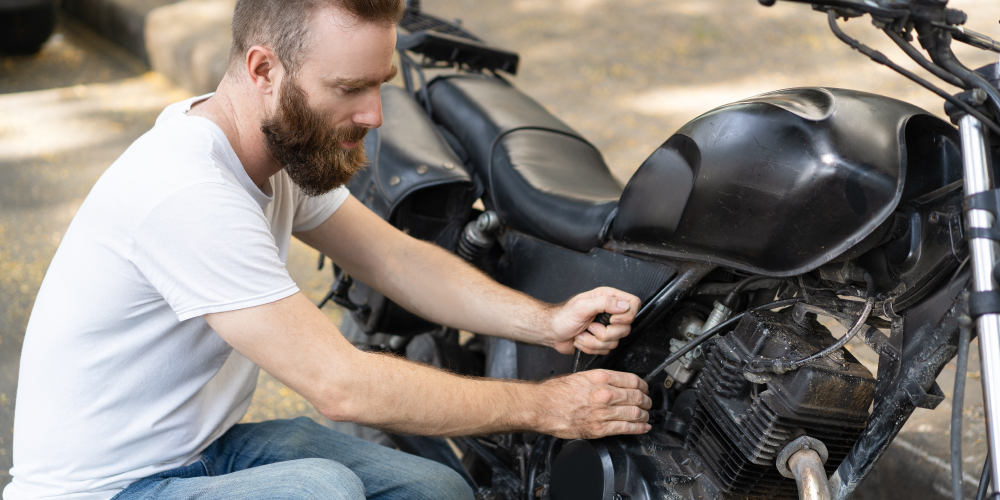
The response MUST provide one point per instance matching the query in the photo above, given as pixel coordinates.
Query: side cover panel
(554, 274)
(777, 184)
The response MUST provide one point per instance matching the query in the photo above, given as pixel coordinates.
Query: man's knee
(438, 481)
(454, 487)
(317, 478)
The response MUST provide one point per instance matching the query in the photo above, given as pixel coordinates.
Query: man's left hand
(573, 325)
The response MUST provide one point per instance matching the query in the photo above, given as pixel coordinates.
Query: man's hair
(283, 25)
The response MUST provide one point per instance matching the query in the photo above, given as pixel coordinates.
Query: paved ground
(625, 73)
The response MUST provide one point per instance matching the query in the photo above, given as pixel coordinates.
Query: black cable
(957, 404)
(781, 365)
(880, 58)
(730, 301)
(984, 480)
(700, 339)
(915, 54)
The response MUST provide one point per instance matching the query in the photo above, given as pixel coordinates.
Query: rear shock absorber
(478, 236)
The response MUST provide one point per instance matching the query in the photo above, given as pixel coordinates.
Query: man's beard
(310, 151)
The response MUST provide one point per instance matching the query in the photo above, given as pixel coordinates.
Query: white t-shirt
(121, 377)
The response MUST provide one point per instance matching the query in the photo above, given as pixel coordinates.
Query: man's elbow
(335, 403)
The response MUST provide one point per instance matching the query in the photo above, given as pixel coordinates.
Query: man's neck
(227, 109)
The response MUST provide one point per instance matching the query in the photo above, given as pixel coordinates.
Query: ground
(625, 73)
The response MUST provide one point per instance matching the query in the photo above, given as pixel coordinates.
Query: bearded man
(169, 290)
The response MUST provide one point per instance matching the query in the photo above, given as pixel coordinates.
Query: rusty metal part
(809, 475)
(800, 444)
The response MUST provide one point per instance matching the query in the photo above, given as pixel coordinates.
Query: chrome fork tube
(978, 178)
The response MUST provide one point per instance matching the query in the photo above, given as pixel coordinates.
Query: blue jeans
(300, 459)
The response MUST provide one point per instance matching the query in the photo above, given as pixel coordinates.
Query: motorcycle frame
(911, 359)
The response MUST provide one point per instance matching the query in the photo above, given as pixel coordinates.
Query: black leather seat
(544, 179)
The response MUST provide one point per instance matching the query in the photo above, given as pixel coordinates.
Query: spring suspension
(478, 236)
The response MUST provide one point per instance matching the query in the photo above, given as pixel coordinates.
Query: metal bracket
(921, 398)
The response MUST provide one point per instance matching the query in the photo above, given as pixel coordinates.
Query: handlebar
(852, 8)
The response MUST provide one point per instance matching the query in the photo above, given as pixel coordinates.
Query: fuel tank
(784, 182)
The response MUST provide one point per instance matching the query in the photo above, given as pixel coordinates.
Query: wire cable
(984, 480)
(880, 58)
(781, 365)
(700, 339)
(915, 54)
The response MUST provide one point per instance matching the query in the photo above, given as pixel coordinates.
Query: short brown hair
(282, 25)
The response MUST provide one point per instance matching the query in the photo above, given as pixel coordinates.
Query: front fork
(978, 174)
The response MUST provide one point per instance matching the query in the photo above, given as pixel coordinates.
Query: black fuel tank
(784, 182)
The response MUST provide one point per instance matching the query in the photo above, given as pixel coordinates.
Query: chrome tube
(978, 174)
(810, 477)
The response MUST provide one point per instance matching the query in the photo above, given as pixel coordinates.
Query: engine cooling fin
(739, 427)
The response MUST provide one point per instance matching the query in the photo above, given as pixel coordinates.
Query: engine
(722, 438)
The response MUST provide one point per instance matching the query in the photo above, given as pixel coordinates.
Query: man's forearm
(296, 343)
(443, 288)
(394, 394)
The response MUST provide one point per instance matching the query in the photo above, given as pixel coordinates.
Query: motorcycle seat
(544, 179)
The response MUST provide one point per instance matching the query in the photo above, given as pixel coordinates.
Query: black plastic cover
(781, 183)
(416, 182)
(543, 178)
(553, 274)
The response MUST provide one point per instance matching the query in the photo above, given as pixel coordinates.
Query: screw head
(422, 169)
(394, 180)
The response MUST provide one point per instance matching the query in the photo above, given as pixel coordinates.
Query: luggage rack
(414, 21)
(444, 45)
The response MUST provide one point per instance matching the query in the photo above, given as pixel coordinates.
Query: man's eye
(350, 90)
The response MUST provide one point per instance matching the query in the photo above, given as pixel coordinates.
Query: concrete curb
(188, 40)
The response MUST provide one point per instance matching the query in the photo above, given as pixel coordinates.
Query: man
(169, 290)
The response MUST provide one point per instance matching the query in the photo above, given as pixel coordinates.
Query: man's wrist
(527, 406)
(545, 324)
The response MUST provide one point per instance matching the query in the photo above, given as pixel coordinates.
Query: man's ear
(262, 68)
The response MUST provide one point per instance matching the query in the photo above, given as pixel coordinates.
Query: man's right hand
(593, 404)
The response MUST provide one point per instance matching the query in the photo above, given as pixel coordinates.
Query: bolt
(979, 96)
(668, 382)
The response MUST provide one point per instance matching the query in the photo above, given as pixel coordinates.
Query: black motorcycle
(738, 233)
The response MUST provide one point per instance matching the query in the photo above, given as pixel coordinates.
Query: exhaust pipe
(803, 460)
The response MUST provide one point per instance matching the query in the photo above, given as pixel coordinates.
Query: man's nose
(370, 114)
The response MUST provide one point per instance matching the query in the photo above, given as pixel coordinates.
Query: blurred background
(625, 73)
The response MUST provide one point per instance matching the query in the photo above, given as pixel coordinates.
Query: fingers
(622, 306)
(623, 397)
(620, 379)
(616, 428)
(591, 344)
(627, 414)
(600, 339)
